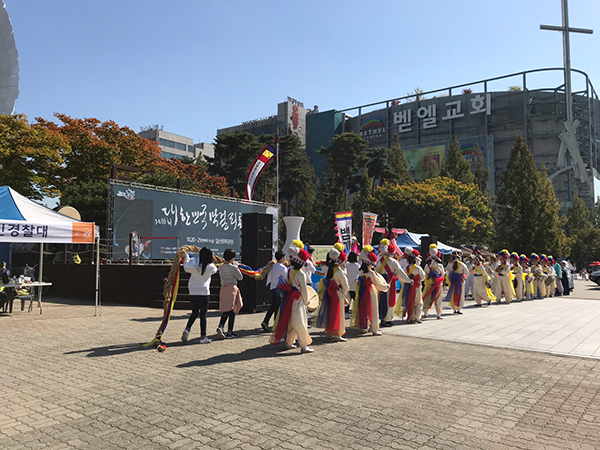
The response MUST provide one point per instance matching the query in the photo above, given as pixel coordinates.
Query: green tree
(578, 216)
(431, 169)
(526, 208)
(234, 153)
(378, 167)
(89, 197)
(30, 157)
(455, 165)
(397, 162)
(595, 215)
(361, 202)
(585, 247)
(346, 159)
(481, 173)
(455, 212)
(297, 184)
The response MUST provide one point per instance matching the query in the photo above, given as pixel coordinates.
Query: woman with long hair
(201, 270)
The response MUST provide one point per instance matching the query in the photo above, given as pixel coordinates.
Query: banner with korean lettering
(344, 228)
(185, 218)
(47, 232)
(368, 227)
(260, 163)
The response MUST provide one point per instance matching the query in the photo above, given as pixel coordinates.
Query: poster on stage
(162, 220)
(369, 221)
(344, 228)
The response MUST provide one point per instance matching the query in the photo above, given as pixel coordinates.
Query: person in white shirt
(278, 272)
(201, 270)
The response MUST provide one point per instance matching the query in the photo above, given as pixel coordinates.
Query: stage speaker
(257, 250)
(426, 241)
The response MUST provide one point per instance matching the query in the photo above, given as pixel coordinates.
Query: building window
(173, 144)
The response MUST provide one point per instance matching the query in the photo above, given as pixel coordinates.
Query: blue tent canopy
(413, 240)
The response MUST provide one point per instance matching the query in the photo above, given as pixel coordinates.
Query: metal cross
(569, 125)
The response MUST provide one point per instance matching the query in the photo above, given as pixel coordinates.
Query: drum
(313, 299)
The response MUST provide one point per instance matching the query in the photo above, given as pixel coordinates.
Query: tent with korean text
(23, 220)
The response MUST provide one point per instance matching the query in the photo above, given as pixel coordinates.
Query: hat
(433, 250)
(534, 256)
(367, 255)
(407, 251)
(514, 255)
(503, 254)
(297, 253)
(339, 247)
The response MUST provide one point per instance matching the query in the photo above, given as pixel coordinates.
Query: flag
(369, 220)
(344, 227)
(260, 163)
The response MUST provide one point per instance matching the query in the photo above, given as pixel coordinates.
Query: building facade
(176, 146)
(290, 119)
(483, 116)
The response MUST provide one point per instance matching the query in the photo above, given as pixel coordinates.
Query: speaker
(257, 250)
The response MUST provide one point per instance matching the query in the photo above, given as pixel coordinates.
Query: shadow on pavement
(267, 351)
(111, 350)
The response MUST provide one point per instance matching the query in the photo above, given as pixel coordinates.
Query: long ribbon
(167, 313)
(365, 309)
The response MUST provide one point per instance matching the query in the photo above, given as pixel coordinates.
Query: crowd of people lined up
(369, 288)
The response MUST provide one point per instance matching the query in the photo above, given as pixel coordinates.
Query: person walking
(201, 270)
(291, 321)
(278, 274)
(230, 299)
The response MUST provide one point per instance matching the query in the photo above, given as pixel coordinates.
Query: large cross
(568, 137)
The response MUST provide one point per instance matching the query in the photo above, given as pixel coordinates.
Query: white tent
(22, 220)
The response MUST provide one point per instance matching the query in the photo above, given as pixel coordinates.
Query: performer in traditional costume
(365, 313)
(481, 282)
(504, 284)
(291, 318)
(390, 269)
(527, 277)
(548, 267)
(539, 277)
(404, 287)
(333, 295)
(457, 273)
(434, 282)
(519, 274)
(414, 303)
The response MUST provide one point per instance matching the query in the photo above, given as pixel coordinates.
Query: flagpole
(277, 161)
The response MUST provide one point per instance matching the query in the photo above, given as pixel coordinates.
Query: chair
(6, 301)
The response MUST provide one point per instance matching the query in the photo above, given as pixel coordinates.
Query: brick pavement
(71, 380)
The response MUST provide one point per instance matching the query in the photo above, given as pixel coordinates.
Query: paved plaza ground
(72, 380)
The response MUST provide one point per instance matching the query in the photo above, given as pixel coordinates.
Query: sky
(195, 66)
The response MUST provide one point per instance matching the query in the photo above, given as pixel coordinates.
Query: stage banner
(344, 227)
(369, 220)
(260, 163)
(161, 221)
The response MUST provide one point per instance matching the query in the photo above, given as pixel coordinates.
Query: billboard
(186, 218)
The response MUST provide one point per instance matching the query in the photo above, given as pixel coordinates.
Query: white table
(30, 284)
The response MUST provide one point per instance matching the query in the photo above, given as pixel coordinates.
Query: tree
(595, 216)
(578, 216)
(481, 173)
(526, 207)
(89, 197)
(378, 167)
(431, 169)
(346, 159)
(234, 154)
(94, 146)
(454, 212)
(361, 201)
(397, 162)
(297, 183)
(193, 177)
(455, 165)
(586, 246)
(30, 157)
